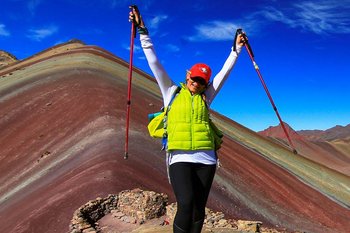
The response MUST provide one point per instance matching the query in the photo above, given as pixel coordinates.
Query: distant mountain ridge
(329, 147)
(334, 133)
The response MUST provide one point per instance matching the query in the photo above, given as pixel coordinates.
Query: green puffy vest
(188, 123)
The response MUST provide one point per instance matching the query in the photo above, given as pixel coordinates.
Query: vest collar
(184, 86)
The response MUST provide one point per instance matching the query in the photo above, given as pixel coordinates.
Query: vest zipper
(192, 128)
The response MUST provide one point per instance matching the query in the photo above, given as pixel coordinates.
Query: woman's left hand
(241, 40)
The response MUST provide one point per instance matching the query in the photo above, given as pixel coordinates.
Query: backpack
(158, 121)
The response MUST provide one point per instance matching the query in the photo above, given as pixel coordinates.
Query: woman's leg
(191, 184)
(204, 175)
(181, 181)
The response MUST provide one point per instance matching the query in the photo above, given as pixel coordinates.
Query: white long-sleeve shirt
(168, 87)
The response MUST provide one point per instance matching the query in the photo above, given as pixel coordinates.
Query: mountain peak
(6, 59)
(278, 132)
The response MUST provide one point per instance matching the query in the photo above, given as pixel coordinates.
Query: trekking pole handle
(240, 32)
(134, 7)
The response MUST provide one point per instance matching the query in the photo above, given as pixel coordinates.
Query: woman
(191, 148)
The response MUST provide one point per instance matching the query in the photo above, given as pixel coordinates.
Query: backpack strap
(165, 135)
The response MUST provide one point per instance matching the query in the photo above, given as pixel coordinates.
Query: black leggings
(191, 183)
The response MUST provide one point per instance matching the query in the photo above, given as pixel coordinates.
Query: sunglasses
(199, 80)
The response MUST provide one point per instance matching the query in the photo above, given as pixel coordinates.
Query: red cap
(201, 70)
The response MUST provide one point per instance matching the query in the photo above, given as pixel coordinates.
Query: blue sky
(302, 48)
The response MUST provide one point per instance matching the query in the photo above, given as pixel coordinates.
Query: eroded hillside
(62, 126)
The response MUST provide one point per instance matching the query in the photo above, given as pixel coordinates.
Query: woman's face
(196, 85)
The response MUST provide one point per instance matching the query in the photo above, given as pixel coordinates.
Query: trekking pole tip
(126, 156)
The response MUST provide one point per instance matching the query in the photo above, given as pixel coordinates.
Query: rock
(129, 219)
(117, 214)
(222, 223)
(249, 226)
(143, 205)
(89, 230)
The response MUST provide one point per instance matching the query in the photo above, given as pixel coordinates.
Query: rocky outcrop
(86, 217)
(143, 205)
(138, 207)
(6, 59)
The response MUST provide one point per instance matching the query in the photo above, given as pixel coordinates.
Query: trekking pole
(251, 55)
(128, 103)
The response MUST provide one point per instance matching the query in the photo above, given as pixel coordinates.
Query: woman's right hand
(135, 16)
